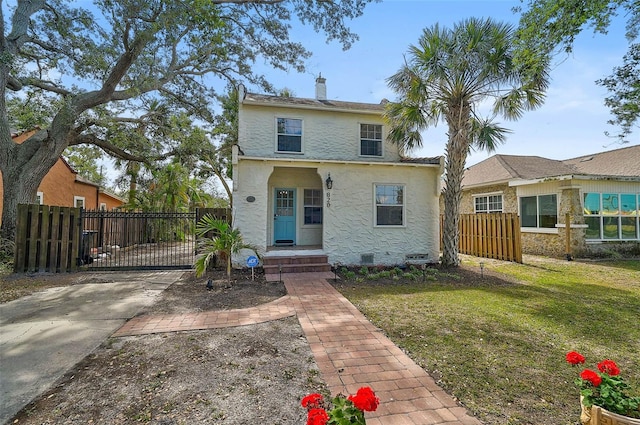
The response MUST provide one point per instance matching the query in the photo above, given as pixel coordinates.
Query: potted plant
(342, 410)
(604, 395)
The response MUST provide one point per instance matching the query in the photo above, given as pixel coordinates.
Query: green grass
(498, 344)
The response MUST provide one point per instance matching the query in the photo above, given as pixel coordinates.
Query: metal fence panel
(138, 240)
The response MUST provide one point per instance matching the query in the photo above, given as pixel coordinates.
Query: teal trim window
(389, 208)
(539, 211)
(612, 216)
(289, 131)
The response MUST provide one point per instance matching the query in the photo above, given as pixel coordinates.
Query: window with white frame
(389, 205)
(78, 201)
(488, 203)
(612, 216)
(289, 132)
(539, 211)
(312, 206)
(39, 198)
(371, 139)
(103, 206)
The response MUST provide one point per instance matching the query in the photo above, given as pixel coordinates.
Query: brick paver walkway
(348, 349)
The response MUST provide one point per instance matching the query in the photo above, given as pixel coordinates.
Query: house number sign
(328, 199)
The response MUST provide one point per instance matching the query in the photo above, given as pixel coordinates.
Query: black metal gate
(117, 240)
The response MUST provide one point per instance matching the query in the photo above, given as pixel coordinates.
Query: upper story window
(39, 198)
(312, 206)
(78, 201)
(289, 135)
(389, 208)
(488, 203)
(103, 206)
(371, 139)
(612, 215)
(539, 211)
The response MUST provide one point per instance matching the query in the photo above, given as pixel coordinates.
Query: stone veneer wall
(509, 198)
(547, 244)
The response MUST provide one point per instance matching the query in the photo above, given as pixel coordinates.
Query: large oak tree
(103, 67)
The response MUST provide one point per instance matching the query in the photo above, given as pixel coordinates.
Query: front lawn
(498, 342)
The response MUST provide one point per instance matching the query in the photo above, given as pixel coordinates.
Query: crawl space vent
(366, 259)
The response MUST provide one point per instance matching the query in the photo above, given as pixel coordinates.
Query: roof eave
(483, 184)
(314, 107)
(336, 161)
(573, 177)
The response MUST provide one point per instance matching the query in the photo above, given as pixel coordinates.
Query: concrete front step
(276, 260)
(295, 263)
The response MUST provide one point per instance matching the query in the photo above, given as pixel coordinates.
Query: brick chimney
(321, 88)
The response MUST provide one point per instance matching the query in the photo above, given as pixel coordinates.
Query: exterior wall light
(329, 182)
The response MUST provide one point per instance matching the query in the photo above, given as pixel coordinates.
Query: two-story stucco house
(319, 176)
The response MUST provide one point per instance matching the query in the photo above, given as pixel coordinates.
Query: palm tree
(449, 76)
(225, 242)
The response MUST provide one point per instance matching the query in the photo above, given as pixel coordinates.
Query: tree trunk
(227, 189)
(23, 169)
(458, 120)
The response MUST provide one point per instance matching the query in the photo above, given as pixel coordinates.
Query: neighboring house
(62, 186)
(601, 192)
(320, 175)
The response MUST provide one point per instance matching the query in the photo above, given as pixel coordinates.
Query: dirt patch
(18, 285)
(242, 375)
(190, 294)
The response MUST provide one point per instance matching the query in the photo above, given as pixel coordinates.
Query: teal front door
(284, 217)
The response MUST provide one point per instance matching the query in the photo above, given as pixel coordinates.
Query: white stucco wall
(326, 135)
(348, 229)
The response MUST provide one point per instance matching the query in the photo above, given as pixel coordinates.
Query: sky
(571, 123)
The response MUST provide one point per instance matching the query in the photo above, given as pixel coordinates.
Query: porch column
(571, 204)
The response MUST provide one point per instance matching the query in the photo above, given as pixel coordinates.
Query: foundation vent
(416, 257)
(366, 259)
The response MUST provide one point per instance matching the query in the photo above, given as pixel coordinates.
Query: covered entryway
(295, 208)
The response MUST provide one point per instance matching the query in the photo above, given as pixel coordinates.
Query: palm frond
(487, 135)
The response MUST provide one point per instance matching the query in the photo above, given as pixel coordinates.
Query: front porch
(297, 259)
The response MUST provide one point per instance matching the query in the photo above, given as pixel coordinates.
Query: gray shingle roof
(618, 162)
(501, 168)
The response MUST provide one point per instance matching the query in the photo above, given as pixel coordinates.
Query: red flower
(574, 357)
(591, 376)
(312, 401)
(317, 416)
(609, 367)
(365, 399)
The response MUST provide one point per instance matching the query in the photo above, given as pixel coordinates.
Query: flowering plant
(342, 410)
(605, 388)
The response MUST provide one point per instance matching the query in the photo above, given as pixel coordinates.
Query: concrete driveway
(44, 335)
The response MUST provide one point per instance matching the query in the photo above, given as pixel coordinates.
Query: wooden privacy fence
(47, 238)
(495, 235)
